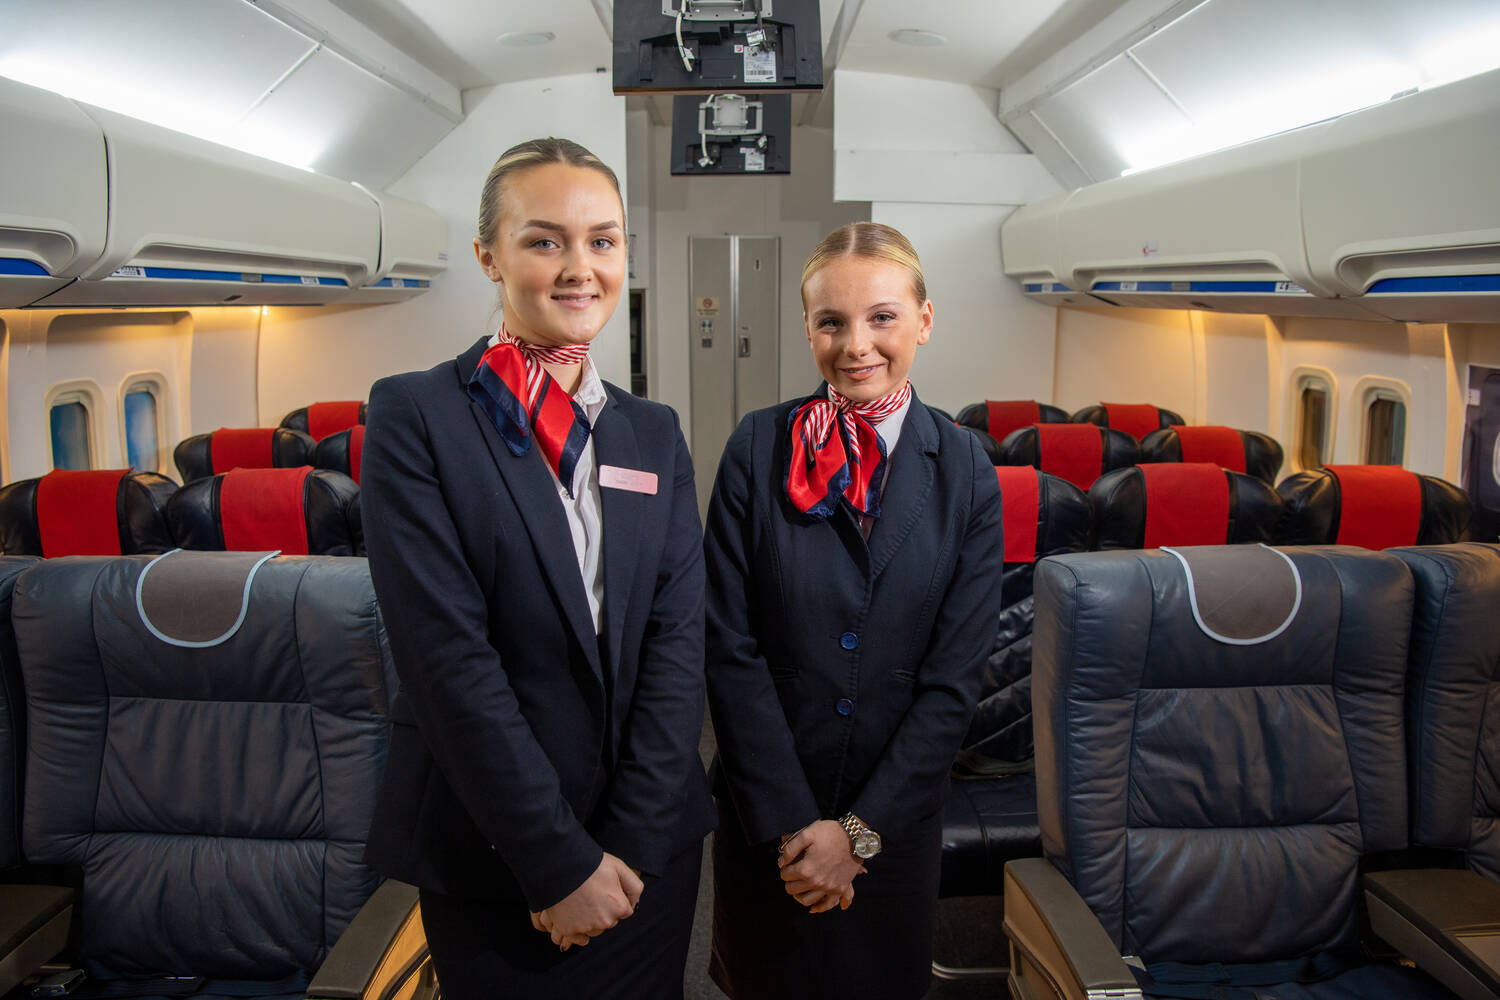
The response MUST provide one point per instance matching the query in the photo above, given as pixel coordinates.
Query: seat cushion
(987, 822)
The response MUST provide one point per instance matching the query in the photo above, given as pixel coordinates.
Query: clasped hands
(602, 901)
(818, 868)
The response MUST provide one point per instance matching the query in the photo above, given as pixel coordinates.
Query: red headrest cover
(1008, 415)
(1073, 451)
(324, 419)
(1020, 496)
(76, 512)
(1220, 445)
(249, 448)
(1135, 419)
(1380, 506)
(356, 449)
(261, 509)
(1186, 504)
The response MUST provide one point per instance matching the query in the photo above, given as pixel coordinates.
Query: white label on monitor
(129, 272)
(754, 158)
(760, 67)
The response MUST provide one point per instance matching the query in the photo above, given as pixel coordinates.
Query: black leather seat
(1374, 506)
(12, 720)
(208, 732)
(994, 419)
(302, 511)
(204, 455)
(319, 420)
(1079, 453)
(1135, 419)
(1192, 503)
(93, 513)
(1250, 452)
(1219, 743)
(341, 451)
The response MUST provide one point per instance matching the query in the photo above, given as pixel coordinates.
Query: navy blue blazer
(523, 745)
(842, 674)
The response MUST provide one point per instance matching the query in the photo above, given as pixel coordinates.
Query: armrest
(1058, 946)
(383, 947)
(1447, 921)
(34, 924)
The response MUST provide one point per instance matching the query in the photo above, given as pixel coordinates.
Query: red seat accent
(1186, 504)
(356, 449)
(261, 509)
(77, 512)
(1380, 506)
(1135, 419)
(1020, 498)
(247, 448)
(1222, 446)
(1009, 415)
(1073, 451)
(324, 419)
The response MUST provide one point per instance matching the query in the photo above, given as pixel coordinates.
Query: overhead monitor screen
(732, 134)
(704, 46)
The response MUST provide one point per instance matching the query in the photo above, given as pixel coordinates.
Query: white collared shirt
(585, 521)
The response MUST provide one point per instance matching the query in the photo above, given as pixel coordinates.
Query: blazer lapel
(911, 477)
(535, 494)
(615, 444)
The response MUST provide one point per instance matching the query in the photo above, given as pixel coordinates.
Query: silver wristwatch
(864, 843)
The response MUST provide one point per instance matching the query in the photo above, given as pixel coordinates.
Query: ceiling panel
(1112, 119)
(343, 122)
(980, 35)
(471, 28)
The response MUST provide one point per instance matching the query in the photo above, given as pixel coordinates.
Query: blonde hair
(866, 239)
(524, 156)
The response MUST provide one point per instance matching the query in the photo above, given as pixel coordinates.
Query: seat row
(284, 447)
(999, 417)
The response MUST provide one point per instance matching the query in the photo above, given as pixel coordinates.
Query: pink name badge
(634, 480)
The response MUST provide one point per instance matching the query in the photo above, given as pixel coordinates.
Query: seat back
(12, 718)
(92, 513)
(319, 420)
(207, 734)
(341, 451)
(302, 511)
(1250, 452)
(1196, 503)
(998, 417)
(1135, 419)
(1373, 506)
(1044, 516)
(1453, 701)
(1216, 752)
(227, 448)
(1079, 453)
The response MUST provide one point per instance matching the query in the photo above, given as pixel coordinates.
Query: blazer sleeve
(909, 778)
(437, 618)
(659, 751)
(757, 753)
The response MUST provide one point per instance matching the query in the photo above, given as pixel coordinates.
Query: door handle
(744, 347)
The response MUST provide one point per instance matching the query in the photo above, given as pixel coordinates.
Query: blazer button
(844, 707)
(849, 641)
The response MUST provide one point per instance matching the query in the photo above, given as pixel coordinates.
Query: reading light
(917, 37)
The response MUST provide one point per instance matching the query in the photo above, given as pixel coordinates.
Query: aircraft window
(1385, 430)
(1312, 435)
(140, 430)
(71, 445)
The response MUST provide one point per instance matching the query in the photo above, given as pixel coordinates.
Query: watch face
(866, 844)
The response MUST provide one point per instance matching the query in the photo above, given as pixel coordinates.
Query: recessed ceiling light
(526, 39)
(916, 36)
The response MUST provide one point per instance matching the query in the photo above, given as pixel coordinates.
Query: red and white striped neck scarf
(523, 401)
(835, 452)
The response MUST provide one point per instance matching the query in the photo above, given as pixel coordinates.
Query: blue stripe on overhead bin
(1262, 287)
(191, 274)
(338, 282)
(1438, 283)
(14, 265)
(1044, 286)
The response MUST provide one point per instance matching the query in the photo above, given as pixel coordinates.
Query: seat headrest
(1135, 419)
(204, 455)
(1373, 506)
(1151, 505)
(341, 451)
(1240, 597)
(998, 417)
(322, 419)
(1078, 453)
(301, 511)
(1044, 514)
(90, 513)
(1250, 452)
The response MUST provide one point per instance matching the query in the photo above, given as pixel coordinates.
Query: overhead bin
(413, 250)
(1401, 204)
(1387, 213)
(53, 193)
(195, 223)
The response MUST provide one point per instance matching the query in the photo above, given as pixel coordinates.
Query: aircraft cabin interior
(1215, 289)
